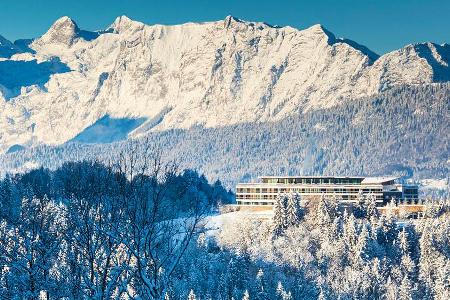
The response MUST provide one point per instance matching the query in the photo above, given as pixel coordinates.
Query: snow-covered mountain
(196, 74)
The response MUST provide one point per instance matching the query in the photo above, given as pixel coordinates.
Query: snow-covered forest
(403, 131)
(323, 253)
(90, 231)
(140, 228)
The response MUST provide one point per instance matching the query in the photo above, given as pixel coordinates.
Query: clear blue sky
(382, 25)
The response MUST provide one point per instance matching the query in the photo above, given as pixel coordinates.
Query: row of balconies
(307, 190)
(354, 197)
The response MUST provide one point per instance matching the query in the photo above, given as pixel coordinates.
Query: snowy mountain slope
(404, 131)
(209, 74)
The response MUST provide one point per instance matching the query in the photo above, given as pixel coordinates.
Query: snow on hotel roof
(373, 180)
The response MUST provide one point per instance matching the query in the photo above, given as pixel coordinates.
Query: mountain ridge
(194, 74)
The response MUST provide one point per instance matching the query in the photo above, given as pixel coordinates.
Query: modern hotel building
(346, 189)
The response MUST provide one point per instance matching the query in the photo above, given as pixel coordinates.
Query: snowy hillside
(210, 74)
(404, 131)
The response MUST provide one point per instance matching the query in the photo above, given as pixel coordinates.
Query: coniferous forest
(403, 131)
(140, 228)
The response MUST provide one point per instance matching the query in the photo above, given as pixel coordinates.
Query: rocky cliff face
(209, 74)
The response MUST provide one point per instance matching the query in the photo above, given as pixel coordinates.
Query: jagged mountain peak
(65, 21)
(319, 28)
(64, 31)
(434, 54)
(65, 27)
(229, 21)
(123, 23)
(320, 31)
(178, 76)
(231, 18)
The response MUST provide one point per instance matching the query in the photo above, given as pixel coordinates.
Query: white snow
(210, 74)
(437, 184)
(377, 180)
(214, 223)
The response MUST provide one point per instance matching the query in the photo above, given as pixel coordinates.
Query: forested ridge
(403, 131)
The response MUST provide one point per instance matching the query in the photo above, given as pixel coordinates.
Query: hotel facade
(345, 189)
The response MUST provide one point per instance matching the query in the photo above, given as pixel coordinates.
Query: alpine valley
(233, 99)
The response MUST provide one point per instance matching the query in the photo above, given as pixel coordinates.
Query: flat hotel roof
(365, 180)
(308, 176)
